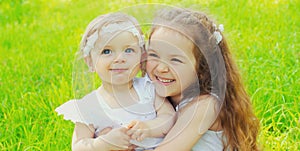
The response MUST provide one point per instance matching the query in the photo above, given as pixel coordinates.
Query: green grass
(38, 41)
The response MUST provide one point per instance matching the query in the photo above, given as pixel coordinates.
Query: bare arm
(157, 127)
(192, 122)
(161, 125)
(83, 139)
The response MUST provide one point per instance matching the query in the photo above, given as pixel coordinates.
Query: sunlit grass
(38, 41)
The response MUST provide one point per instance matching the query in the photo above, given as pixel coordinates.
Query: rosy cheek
(150, 66)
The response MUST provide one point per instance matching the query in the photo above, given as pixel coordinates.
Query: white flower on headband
(221, 27)
(124, 26)
(90, 44)
(217, 34)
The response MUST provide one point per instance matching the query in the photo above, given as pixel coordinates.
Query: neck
(113, 88)
(189, 92)
(176, 99)
(118, 95)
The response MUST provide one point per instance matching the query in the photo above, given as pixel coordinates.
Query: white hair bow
(217, 34)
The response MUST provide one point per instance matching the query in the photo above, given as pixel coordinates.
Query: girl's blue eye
(176, 60)
(129, 50)
(106, 51)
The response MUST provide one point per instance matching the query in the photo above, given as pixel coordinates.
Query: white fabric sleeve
(86, 110)
(71, 112)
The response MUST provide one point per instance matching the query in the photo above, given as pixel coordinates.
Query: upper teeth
(162, 80)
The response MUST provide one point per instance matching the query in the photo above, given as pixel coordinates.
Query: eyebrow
(132, 45)
(179, 56)
(149, 49)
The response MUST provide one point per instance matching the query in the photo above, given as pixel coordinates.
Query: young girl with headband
(113, 46)
(190, 64)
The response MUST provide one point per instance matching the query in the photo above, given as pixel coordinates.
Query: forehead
(163, 39)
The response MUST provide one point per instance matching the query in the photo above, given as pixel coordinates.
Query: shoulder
(90, 96)
(206, 105)
(88, 99)
(202, 102)
(206, 98)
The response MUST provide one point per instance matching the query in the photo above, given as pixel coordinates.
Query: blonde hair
(217, 74)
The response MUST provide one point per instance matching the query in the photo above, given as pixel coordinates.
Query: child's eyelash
(131, 49)
(152, 55)
(177, 60)
(105, 51)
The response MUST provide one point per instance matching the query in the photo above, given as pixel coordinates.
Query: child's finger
(131, 124)
(133, 129)
(104, 131)
(126, 137)
(136, 126)
(124, 142)
(136, 134)
(142, 137)
(123, 129)
(130, 132)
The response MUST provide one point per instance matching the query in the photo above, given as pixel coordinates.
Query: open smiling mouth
(164, 81)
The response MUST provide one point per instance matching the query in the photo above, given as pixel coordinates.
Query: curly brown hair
(217, 74)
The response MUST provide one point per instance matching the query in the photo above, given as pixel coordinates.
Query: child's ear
(89, 62)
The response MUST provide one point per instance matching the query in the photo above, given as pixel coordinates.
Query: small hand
(116, 139)
(138, 130)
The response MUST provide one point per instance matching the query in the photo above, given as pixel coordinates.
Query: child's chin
(161, 91)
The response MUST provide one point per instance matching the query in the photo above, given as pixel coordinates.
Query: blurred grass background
(38, 41)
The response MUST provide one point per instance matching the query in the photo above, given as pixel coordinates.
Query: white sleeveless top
(210, 140)
(92, 109)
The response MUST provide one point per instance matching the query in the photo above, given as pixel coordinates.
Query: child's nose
(162, 67)
(120, 58)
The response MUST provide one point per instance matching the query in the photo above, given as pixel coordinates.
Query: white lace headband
(90, 44)
(217, 34)
(111, 28)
